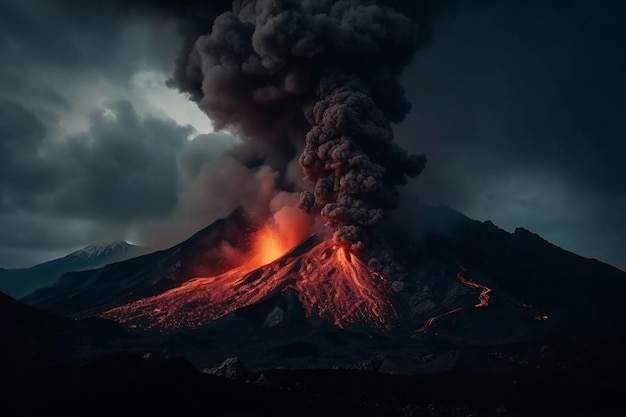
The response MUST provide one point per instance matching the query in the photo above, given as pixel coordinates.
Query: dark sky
(518, 105)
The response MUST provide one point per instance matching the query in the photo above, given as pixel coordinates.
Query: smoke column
(318, 79)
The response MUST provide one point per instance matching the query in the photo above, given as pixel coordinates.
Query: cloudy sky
(518, 105)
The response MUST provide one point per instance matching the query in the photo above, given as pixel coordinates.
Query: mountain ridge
(141, 276)
(19, 282)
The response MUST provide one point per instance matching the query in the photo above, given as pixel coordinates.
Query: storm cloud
(122, 170)
(80, 163)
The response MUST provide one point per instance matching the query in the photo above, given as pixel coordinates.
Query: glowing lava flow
(483, 297)
(331, 283)
(434, 319)
(483, 301)
(337, 286)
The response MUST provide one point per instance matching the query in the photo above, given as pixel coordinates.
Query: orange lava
(483, 297)
(434, 319)
(334, 284)
(483, 301)
(331, 283)
(269, 244)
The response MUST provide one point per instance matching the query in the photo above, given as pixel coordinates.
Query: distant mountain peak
(103, 248)
(20, 282)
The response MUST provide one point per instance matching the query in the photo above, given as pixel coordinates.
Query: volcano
(331, 283)
(312, 301)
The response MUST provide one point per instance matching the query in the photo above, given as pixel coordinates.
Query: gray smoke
(318, 79)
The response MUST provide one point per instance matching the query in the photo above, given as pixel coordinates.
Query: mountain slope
(20, 282)
(87, 292)
(560, 285)
(32, 338)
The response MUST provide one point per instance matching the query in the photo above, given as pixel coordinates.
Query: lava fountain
(331, 282)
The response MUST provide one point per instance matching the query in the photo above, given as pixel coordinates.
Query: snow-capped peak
(97, 250)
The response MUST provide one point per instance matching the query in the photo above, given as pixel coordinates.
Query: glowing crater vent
(331, 283)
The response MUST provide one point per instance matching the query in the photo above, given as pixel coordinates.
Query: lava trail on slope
(483, 300)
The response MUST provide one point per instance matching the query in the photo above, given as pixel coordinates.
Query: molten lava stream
(337, 286)
(330, 281)
(434, 319)
(483, 297)
(483, 301)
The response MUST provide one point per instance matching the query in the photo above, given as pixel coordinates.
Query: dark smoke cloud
(196, 17)
(350, 156)
(271, 70)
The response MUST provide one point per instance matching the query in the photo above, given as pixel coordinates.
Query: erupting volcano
(311, 88)
(285, 271)
(332, 283)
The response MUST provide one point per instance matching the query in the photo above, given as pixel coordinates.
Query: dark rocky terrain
(577, 379)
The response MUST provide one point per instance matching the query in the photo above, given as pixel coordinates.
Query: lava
(268, 245)
(339, 287)
(483, 297)
(330, 281)
(434, 319)
(483, 301)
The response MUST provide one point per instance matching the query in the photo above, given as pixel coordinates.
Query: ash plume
(315, 80)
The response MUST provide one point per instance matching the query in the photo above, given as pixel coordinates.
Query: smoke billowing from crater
(316, 81)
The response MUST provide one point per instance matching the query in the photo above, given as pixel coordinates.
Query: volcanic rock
(231, 368)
